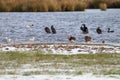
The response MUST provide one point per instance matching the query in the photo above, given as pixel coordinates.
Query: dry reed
(103, 6)
(55, 5)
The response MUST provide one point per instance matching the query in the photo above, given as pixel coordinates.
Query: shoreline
(63, 48)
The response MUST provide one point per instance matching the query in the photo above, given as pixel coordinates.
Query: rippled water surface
(13, 25)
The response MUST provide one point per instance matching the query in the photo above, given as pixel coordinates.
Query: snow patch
(58, 77)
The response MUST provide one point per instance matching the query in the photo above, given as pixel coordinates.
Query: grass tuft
(112, 72)
(79, 73)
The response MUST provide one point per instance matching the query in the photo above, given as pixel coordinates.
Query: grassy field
(55, 5)
(35, 63)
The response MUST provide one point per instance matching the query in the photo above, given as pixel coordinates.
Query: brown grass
(103, 6)
(55, 5)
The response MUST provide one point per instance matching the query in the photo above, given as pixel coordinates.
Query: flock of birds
(53, 30)
(71, 38)
(84, 30)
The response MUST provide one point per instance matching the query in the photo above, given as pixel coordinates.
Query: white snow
(11, 48)
(59, 77)
(8, 48)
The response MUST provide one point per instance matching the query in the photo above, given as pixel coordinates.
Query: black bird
(53, 29)
(47, 30)
(109, 31)
(71, 38)
(98, 30)
(84, 29)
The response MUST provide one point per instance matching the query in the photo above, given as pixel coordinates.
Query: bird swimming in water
(88, 39)
(53, 29)
(98, 30)
(84, 29)
(47, 30)
(32, 39)
(103, 41)
(30, 26)
(109, 31)
(7, 40)
(71, 38)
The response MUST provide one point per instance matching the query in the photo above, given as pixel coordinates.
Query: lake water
(13, 25)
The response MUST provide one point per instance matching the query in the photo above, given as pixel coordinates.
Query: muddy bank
(63, 48)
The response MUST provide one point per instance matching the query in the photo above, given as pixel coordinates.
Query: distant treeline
(55, 5)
